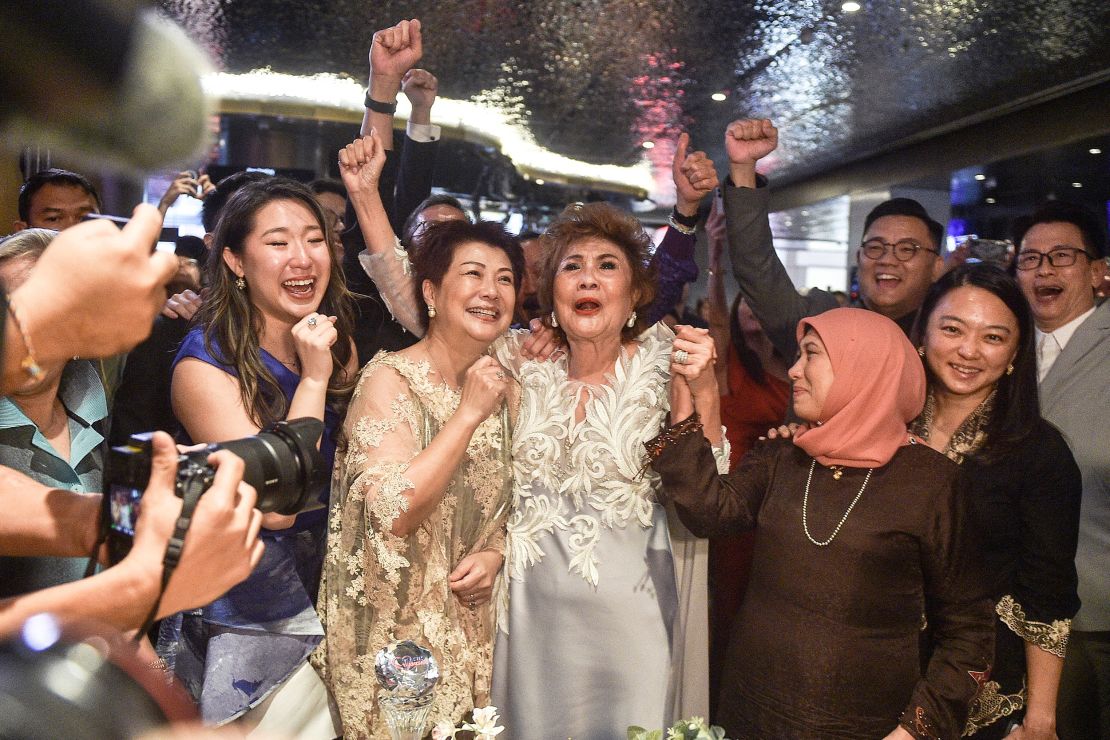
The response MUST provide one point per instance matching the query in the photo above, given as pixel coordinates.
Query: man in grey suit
(1060, 264)
(899, 259)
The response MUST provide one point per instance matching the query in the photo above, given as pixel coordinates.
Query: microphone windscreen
(155, 117)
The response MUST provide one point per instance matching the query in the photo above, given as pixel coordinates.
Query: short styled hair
(602, 221)
(436, 199)
(433, 256)
(1090, 226)
(906, 207)
(53, 176)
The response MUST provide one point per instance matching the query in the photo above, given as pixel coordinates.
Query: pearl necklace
(805, 507)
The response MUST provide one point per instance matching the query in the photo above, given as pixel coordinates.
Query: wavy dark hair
(1016, 403)
(432, 257)
(233, 324)
(599, 221)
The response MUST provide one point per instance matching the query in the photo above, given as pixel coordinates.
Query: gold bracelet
(29, 364)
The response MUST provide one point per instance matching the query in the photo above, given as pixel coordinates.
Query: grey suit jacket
(1075, 396)
(763, 280)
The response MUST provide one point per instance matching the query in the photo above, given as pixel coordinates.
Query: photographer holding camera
(221, 548)
(49, 319)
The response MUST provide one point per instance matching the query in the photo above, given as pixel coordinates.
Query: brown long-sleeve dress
(826, 644)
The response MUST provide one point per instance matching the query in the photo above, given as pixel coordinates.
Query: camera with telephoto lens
(281, 462)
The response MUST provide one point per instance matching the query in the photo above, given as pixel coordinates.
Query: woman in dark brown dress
(862, 539)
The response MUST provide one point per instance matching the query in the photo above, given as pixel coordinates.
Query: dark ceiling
(595, 78)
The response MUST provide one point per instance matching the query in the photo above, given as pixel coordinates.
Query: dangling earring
(554, 321)
(240, 283)
(631, 320)
(921, 350)
(1010, 369)
(431, 312)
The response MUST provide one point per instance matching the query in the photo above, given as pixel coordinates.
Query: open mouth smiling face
(593, 289)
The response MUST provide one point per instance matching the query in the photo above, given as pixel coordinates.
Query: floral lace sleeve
(367, 568)
(392, 274)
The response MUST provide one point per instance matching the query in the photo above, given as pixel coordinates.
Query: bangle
(680, 228)
(29, 364)
(379, 107)
(687, 221)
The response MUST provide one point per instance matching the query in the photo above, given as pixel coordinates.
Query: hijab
(878, 388)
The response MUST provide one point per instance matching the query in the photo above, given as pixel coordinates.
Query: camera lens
(283, 464)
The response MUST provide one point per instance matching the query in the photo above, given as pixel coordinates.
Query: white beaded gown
(605, 625)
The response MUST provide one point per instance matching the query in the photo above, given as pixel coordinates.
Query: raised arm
(694, 177)
(762, 278)
(384, 260)
(393, 52)
(92, 264)
(418, 152)
(719, 319)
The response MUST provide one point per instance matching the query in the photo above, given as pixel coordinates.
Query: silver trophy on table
(408, 674)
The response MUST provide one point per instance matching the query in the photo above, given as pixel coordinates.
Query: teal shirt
(23, 448)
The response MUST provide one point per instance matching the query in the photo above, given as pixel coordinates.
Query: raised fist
(420, 86)
(361, 163)
(396, 50)
(749, 140)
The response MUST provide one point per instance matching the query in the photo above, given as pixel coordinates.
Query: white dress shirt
(1051, 344)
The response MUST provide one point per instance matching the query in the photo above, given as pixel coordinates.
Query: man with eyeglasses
(1060, 264)
(898, 260)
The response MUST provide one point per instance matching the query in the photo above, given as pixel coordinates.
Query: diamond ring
(681, 356)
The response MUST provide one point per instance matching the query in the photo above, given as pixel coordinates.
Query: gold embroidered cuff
(670, 435)
(990, 705)
(1052, 638)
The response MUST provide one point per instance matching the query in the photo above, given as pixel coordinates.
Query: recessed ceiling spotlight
(980, 177)
(539, 181)
(991, 201)
(719, 96)
(1077, 184)
(648, 145)
(1094, 150)
(850, 7)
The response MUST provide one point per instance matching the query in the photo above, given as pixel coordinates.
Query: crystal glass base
(406, 717)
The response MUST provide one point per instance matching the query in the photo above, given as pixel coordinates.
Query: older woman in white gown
(605, 621)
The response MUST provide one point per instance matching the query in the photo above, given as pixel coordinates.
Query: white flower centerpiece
(483, 725)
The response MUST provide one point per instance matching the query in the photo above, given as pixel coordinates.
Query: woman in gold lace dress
(421, 489)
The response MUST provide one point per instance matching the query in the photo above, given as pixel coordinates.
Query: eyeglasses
(904, 249)
(1057, 257)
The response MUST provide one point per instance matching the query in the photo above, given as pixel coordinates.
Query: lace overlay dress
(378, 587)
(599, 593)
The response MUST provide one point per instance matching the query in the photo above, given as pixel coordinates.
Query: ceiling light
(1077, 184)
(991, 201)
(648, 145)
(850, 7)
(980, 177)
(539, 181)
(1094, 150)
(719, 96)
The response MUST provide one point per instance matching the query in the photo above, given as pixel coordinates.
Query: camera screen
(124, 503)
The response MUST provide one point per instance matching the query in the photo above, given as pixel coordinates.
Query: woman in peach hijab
(862, 539)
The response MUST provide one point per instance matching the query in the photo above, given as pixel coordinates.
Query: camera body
(282, 463)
